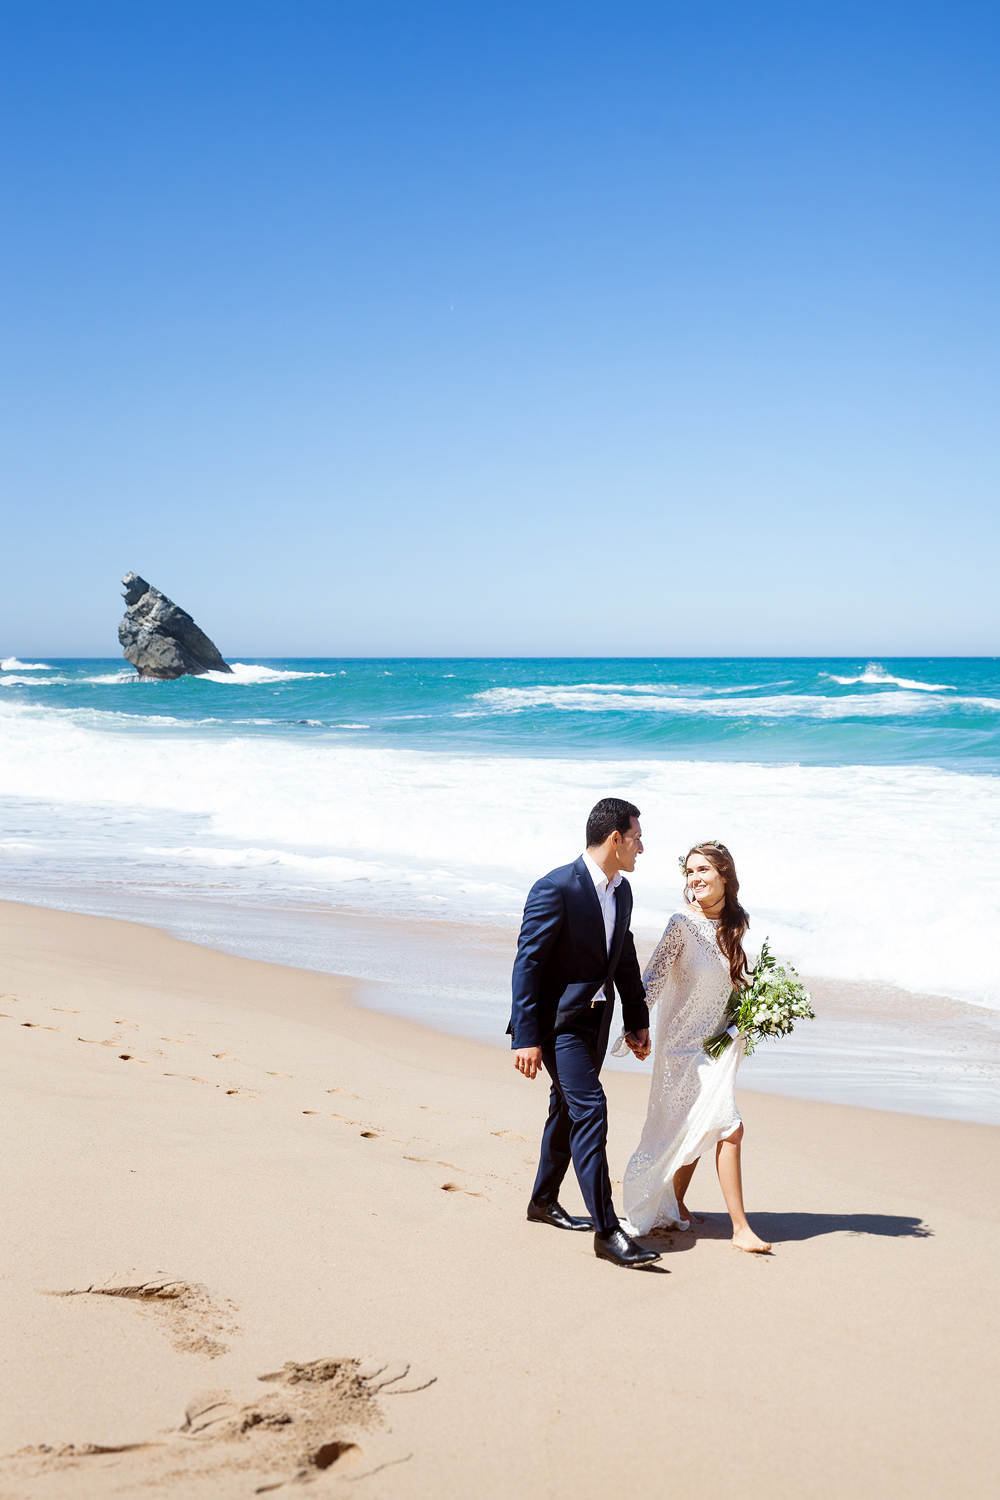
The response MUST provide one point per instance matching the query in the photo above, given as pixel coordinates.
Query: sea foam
(243, 674)
(887, 873)
(609, 698)
(877, 676)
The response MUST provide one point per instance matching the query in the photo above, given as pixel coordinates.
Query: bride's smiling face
(706, 885)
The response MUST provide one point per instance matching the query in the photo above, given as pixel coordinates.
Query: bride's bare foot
(685, 1213)
(745, 1239)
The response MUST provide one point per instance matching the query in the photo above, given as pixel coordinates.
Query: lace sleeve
(658, 969)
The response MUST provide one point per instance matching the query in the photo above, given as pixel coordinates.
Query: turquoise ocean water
(942, 712)
(861, 799)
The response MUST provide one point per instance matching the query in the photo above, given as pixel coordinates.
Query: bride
(692, 1100)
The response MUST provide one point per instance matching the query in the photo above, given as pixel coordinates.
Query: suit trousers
(577, 1126)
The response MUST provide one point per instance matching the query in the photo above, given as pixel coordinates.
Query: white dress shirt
(606, 896)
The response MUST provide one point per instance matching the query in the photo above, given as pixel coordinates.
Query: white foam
(606, 699)
(343, 871)
(87, 718)
(15, 681)
(244, 674)
(754, 687)
(11, 664)
(876, 675)
(127, 675)
(854, 872)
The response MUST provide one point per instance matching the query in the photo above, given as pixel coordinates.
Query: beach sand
(276, 1182)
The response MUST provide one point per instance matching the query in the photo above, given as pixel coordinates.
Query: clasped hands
(637, 1043)
(528, 1060)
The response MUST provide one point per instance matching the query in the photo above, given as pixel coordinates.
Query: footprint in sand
(344, 1092)
(448, 1187)
(193, 1319)
(272, 1074)
(225, 1057)
(507, 1135)
(324, 1416)
(37, 1026)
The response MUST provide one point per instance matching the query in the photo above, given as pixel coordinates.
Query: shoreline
(873, 1045)
(331, 1183)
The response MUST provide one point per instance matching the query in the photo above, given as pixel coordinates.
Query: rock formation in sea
(160, 639)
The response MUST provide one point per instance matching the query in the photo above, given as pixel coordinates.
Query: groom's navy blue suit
(562, 962)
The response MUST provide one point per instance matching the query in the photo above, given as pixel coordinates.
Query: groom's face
(630, 846)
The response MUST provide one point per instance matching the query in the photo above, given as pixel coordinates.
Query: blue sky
(502, 328)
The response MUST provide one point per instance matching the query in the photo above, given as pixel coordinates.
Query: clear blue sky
(489, 328)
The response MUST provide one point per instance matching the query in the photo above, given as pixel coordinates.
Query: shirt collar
(598, 876)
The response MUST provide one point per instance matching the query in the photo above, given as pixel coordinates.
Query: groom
(575, 948)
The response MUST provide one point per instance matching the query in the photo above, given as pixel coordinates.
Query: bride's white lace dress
(692, 1097)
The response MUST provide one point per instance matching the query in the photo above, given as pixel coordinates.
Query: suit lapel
(591, 899)
(593, 902)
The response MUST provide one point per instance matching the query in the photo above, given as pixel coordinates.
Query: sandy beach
(312, 1218)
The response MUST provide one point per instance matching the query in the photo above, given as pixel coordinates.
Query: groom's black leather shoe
(552, 1213)
(620, 1248)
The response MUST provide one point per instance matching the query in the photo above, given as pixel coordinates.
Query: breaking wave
(876, 676)
(849, 869)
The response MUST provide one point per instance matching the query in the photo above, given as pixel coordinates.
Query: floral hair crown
(682, 859)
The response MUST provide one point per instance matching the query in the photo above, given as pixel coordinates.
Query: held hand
(638, 1043)
(528, 1060)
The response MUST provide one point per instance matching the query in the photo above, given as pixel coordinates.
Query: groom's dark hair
(611, 815)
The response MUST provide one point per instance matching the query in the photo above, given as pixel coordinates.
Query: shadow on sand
(780, 1228)
(777, 1227)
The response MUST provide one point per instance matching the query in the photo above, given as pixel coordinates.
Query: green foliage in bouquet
(768, 1005)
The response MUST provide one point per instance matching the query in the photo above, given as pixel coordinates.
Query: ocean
(861, 801)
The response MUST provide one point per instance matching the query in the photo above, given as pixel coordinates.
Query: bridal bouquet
(769, 1005)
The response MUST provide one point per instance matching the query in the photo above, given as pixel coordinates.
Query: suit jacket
(562, 958)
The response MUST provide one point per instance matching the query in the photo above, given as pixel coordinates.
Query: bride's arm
(657, 971)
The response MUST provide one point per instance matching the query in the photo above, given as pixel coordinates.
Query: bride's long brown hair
(733, 919)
